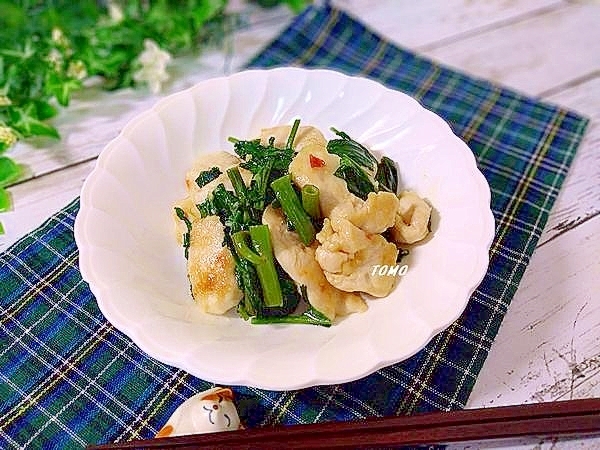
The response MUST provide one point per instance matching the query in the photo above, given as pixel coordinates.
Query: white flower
(77, 70)
(153, 63)
(115, 12)
(55, 58)
(57, 34)
(7, 136)
(59, 38)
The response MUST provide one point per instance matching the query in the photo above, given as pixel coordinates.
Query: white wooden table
(548, 347)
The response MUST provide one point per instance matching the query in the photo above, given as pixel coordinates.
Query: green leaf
(296, 5)
(207, 176)
(25, 122)
(3, 147)
(12, 15)
(10, 171)
(206, 10)
(44, 110)
(61, 88)
(5, 200)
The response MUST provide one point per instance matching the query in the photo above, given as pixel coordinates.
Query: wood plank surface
(579, 200)
(429, 24)
(535, 55)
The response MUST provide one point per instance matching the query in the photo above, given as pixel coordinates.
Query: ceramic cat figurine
(206, 412)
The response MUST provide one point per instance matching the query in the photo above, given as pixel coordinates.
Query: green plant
(49, 48)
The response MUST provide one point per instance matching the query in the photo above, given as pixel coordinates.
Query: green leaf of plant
(296, 5)
(60, 87)
(10, 171)
(12, 15)
(5, 200)
(45, 110)
(24, 121)
(206, 10)
(3, 147)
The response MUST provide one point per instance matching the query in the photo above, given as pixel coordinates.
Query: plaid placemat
(68, 378)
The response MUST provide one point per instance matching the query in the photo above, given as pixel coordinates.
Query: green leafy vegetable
(310, 200)
(311, 316)
(357, 180)
(269, 293)
(262, 259)
(293, 210)
(207, 176)
(290, 140)
(346, 147)
(247, 280)
(357, 164)
(387, 175)
(291, 296)
(255, 155)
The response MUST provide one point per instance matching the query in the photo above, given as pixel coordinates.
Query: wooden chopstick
(545, 420)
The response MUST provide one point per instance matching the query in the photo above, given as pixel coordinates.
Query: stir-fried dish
(293, 227)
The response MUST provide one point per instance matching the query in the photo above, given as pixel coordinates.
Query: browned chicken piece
(211, 267)
(210, 264)
(299, 263)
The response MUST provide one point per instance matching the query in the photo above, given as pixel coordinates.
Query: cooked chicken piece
(197, 194)
(412, 219)
(374, 215)
(300, 264)
(207, 161)
(211, 267)
(304, 136)
(210, 264)
(332, 189)
(348, 256)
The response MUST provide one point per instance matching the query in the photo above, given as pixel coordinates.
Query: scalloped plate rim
(141, 339)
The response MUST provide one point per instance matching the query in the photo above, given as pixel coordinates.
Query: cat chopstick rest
(206, 412)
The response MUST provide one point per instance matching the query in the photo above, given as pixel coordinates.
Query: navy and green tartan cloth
(68, 378)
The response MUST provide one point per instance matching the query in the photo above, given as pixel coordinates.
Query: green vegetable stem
(292, 208)
(310, 200)
(311, 316)
(237, 182)
(262, 259)
(292, 135)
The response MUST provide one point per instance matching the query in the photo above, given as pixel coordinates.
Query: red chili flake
(315, 162)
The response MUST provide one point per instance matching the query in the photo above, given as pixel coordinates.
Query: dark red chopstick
(552, 419)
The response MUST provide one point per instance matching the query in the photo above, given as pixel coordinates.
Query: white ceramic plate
(135, 268)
